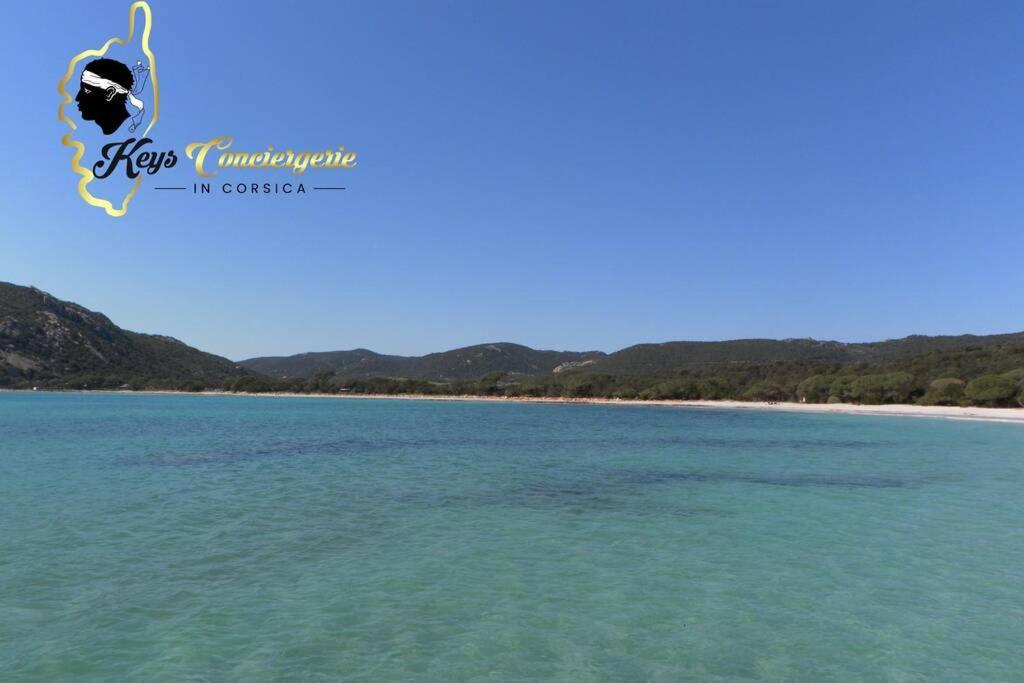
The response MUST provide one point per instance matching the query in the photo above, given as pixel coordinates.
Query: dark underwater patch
(650, 477)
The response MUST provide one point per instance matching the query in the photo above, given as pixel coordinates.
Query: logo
(115, 109)
(111, 99)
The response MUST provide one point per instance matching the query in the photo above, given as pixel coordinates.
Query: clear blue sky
(565, 175)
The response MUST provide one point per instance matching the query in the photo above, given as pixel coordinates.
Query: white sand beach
(892, 410)
(947, 412)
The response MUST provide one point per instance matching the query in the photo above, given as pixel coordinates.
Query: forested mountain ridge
(49, 343)
(466, 363)
(946, 370)
(647, 359)
(641, 360)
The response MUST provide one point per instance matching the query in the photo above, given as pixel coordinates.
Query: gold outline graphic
(87, 175)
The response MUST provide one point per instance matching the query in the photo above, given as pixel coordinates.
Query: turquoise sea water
(203, 538)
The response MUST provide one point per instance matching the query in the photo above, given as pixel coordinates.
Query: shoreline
(1008, 415)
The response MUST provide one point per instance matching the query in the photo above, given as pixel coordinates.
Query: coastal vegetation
(971, 376)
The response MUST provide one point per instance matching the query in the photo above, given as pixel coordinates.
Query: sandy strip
(1015, 415)
(949, 412)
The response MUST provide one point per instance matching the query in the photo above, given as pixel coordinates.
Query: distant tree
(322, 382)
(992, 390)
(814, 389)
(766, 391)
(895, 387)
(491, 384)
(715, 388)
(672, 389)
(946, 391)
(840, 389)
(1015, 375)
(253, 385)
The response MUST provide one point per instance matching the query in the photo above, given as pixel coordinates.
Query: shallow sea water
(245, 538)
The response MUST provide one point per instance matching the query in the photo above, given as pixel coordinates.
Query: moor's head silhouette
(107, 87)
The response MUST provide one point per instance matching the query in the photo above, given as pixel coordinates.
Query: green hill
(356, 362)
(642, 360)
(471, 362)
(670, 357)
(51, 343)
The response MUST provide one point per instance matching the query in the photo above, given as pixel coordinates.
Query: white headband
(91, 79)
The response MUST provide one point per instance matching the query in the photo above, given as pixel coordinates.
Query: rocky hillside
(47, 342)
